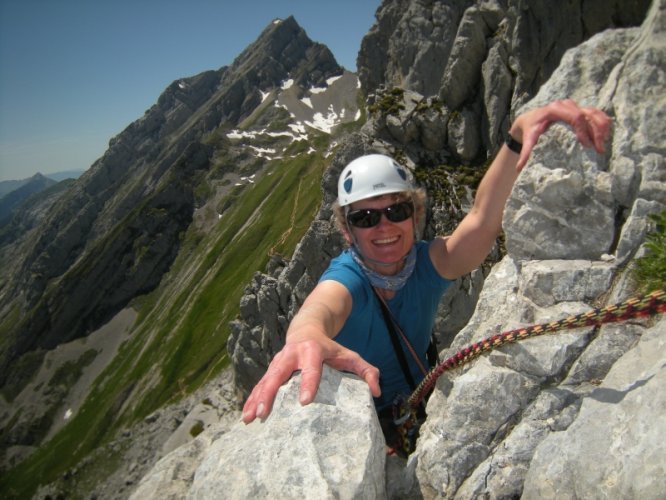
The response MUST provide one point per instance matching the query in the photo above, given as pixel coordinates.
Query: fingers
(260, 401)
(310, 372)
(591, 126)
(371, 376)
(600, 127)
(530, 138)
(350, 361)
(308, 357)
(580, 122)
(250, 407)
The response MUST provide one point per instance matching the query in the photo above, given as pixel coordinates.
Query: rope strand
(646, 305)
(405, 410)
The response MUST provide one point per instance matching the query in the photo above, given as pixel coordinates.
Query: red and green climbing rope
(646, 305)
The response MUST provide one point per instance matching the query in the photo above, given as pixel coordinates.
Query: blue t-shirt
(414, 308)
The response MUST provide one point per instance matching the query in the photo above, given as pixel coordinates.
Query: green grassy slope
(179, 339)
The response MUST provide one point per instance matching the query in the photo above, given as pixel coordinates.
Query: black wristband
(513, 144)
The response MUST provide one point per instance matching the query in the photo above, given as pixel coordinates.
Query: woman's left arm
(470, 243)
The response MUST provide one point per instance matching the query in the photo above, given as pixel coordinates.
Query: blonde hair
(418, 197)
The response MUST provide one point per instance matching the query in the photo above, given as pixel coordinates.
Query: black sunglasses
(369, 217)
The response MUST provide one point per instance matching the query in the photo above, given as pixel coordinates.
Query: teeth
(385, 241)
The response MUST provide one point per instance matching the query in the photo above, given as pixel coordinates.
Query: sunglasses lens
(364, 218)
(399, 212)
(369, 217)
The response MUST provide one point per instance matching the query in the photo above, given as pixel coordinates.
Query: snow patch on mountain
(319, 109)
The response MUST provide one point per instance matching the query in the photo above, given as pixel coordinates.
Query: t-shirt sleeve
(344, 272)
(428, 274)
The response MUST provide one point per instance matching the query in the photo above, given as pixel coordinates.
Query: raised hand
(591, 126)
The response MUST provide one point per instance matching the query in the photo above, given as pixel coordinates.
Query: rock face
(27, 208)
(571, 415)
(507, 424)
(629, 462)
(481, 58)
(260, 457)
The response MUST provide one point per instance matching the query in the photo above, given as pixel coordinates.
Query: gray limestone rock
(614, 448)
(297, 452)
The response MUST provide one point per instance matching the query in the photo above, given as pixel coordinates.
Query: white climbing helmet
(369, 176)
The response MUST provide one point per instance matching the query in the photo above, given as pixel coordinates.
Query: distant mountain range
(13, 194)
(27, 188)
(65, 174)
(7, 187)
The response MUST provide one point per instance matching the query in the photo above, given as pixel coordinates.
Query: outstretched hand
(591, 126)
(306, 356)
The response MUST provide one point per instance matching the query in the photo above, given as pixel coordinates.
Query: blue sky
(75, 73)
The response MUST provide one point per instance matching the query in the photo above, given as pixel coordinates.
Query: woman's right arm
(309, 344)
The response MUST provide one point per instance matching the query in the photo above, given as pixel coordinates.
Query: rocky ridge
(24, 209)
(524, 420)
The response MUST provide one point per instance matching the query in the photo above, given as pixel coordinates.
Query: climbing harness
(405, 409)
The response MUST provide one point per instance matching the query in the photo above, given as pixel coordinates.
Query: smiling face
(384, 246)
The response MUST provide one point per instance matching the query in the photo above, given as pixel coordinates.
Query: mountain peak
(284, 46)
(31, 186)
(37, 177)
